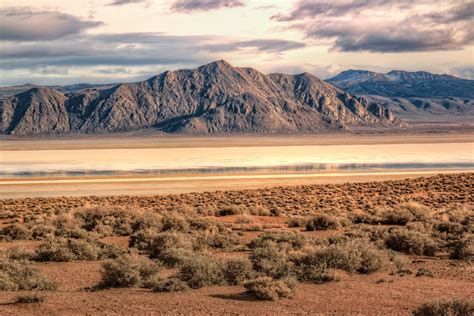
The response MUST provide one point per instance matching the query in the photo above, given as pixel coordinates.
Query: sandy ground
(177, 141)
(102, 186)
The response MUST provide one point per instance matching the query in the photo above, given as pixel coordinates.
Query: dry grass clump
(21, 276)
(454, 307)
(266, 288)
(67, 249)
(29, 298)
(322, 222)
(127, 271)
(411, 242)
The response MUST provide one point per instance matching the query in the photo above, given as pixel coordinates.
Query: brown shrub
(237, 270)
(201, 271)
(15, 232)
(127, 271)
(21, 276)
(266, 288)
(29, 298)
(445, 308)
(170, 285)
(411, 242)
(322, 222)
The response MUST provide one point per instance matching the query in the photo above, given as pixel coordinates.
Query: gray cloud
(265, 45)
(204, 5)
(125, 2)
(130, 49)
(20, 24)
(349, 25)
(313, 8)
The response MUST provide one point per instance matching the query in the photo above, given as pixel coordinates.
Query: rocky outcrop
(214, 98)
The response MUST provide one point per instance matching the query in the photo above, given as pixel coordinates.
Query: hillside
(214, 98)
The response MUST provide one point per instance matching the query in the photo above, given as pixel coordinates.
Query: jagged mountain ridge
(214, 98)
(405, 84)
(413, 96)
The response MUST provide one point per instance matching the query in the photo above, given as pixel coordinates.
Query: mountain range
(213, 98)
(412, 96)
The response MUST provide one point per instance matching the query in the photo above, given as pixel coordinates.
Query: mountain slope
(214, 98)
(397, 83)
(413, 96)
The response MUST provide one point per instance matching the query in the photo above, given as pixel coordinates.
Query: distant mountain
(405, 84)
(413, 96)
(214, 98)
(6, 92)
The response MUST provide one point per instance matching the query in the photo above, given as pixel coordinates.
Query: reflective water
(236, 159)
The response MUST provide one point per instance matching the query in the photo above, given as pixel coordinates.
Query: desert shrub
(229, 210)
(20, 254)
(127, 271)
(404, 271)
(424, 272)
(244, 219)
(419, 211)
(199, 223)
(309, 270)
(143, 238)
(171, 248)
(175, 222)
(170, 285)
(266, 288)
(66, 225)
(29, 298)
(411, 242)
(322, 222)
(261, 211)
(15, 232)
(445, 308)
(293, 241)
(21, 276)
(400, 261)
(450, 228)
(147, 220)
(237, 270)
(62, 249)
(97, 219)
(397, 216)
(201, 271)
(296, 221)
(462, 249)
(221, 241)
(353, 255)
(269, 260)
(42, 231)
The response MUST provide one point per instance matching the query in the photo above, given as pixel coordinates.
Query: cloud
(131, 50)
(125, 2)
(22, 24)
(204, 5)
(384, 26)
(262, 45)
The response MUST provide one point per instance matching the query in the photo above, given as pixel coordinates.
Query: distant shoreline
(157, 140)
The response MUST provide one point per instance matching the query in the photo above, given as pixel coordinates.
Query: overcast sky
(96, 41)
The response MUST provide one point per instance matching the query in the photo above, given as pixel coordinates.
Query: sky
(103, 41)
